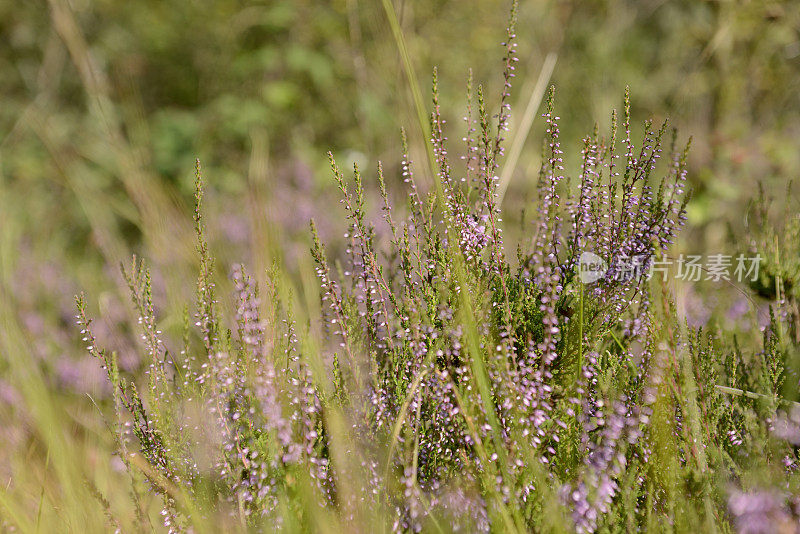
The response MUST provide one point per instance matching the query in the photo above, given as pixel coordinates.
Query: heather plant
(450, 385)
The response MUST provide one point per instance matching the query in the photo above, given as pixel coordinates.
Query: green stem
(580, 333)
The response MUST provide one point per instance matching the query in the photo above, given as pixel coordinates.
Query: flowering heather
(446, 384)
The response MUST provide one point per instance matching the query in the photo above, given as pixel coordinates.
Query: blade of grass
(511, 520)
(524, 128)
(416, 93)
(401, 417)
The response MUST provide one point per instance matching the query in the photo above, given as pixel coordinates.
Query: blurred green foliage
(203, 79)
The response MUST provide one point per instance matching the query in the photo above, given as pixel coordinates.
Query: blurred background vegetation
(106, 105)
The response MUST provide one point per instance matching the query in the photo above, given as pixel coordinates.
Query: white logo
(591, 267)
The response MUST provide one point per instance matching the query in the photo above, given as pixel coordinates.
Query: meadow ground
(432, 271)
